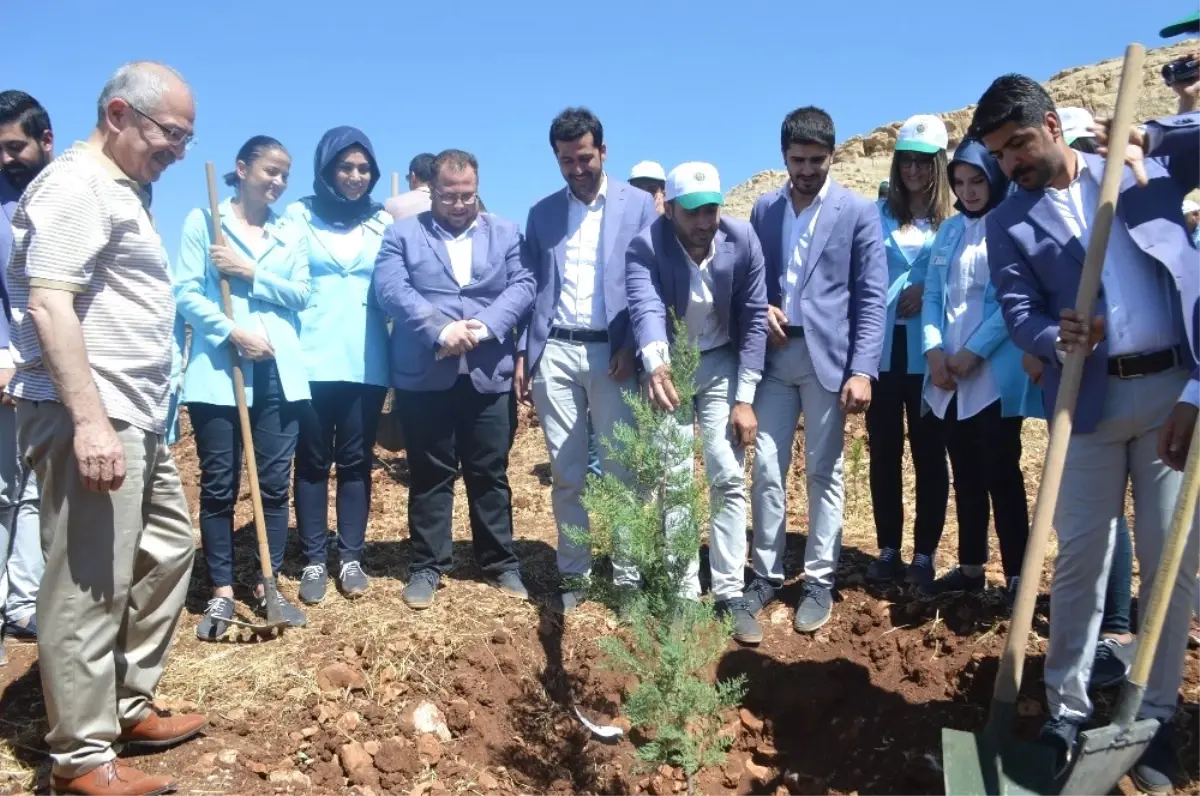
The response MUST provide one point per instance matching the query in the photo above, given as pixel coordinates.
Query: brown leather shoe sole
(161, 743)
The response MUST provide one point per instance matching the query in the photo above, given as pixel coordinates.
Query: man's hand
(776, 321)
(6, 375)
(1135, 149)
(1175, 436)
(251, 346)
(620, 366)
(1074, 331)
(745, 424)
(1188, 93)
(459, 340)
(230, 263)
(522, 386)
(939, 373)
(1032, 367)
(856, 395)
(909, 304)
(662, 390)
(100, 455)
(963, 363)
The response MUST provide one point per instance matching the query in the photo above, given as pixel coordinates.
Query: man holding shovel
(1137, 369)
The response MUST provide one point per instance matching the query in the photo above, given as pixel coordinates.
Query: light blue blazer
(1019, 397)
(178, 337)
(343, 330)
(279, 292)
(901, 274)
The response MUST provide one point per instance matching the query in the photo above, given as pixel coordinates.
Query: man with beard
(708, 270)
(826, 275)
(1134, 376)
(26, 146)
(575, 357)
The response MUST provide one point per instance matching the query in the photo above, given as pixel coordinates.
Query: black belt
(1134, 366)
(579, 335)
(793, 331)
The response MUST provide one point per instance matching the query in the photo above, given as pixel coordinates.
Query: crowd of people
(943, 311)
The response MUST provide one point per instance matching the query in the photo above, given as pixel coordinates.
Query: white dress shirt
(704, 327)
(797, 238)
(460, 249)
(966, 286)
(581, 301)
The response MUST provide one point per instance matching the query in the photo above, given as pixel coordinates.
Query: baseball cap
(923, 133)
(1189, 24)
(693, 185)
(648, 170)
(1189, 206)
(1076, 123)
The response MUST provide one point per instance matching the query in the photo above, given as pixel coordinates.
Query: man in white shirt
(418, 198)
(708, 270)
(649, 176)
(575, 355)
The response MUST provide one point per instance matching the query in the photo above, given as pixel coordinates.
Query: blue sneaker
(418, 594)
(814, 610)
(19, 632)
(1060, 735)
(1156, 771)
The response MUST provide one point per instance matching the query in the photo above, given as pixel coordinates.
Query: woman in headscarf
(975, 384)
(345, 339)
(264, 259)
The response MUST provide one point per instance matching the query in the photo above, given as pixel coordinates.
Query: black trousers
(441, 431)
(898, 394)
(985, 455)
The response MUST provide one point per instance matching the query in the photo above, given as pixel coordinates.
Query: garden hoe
(991, 761)
(275, 621)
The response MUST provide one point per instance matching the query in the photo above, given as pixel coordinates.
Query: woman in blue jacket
(918, 201)
(976, 384)
(265, 260)
(345, 340)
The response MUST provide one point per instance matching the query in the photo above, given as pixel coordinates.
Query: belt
(579, 335)
(793, 331)
(1134, 366)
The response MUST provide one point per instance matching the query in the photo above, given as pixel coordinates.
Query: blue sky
(671, 80)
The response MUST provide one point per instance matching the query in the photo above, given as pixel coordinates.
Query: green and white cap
(692, 185)
(923, 133)
(1076, 123)
(1189, 24)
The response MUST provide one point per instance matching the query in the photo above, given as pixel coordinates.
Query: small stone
(395, 757)
(439, 639)
(734, 768)
(781, 616)
(353, 757)
(500, 636)
(420, 789)
(296, 694)
(295, 737)
(363, 790)
(340, 676)
(293, 779)
(325, 714)
(429, 749)
(487, 783)
(372, 747)
(367, 777)
(227, 758)
(438, 788)
(427, 718)
(623, 723)
(205, 765)
(348, 722)
(750, 721)
(660, 787)
(760, 773)
(257, 768)
(309, 732)
(236, 715)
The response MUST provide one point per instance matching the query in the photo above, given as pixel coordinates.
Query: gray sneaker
(568, 600)
(418, 594)
(312, 584)
(352, 580)
(814, 610)
(759, 594)
(746, 629)
(213, 626)
(510, 583)
(290, 613)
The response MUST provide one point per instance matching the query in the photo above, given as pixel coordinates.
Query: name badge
(939, 259)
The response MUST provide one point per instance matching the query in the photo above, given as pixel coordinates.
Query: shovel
(275, 620)
(991, 761)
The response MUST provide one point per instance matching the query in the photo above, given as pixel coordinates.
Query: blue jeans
(275, 425)
(337, 427)
(1118, 596)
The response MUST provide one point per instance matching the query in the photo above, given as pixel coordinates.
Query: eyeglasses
(175, 136)
(451, 199)
(907, 159)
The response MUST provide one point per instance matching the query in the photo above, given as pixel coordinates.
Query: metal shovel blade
(979, 764)
(1105, 754)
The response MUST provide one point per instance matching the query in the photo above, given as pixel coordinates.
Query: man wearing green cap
(709, 270)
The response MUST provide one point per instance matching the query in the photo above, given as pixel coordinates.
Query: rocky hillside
(863, 161)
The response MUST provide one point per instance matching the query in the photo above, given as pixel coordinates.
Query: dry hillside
(862, 161)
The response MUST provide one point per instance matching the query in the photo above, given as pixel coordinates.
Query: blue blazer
(901, 274)
(279, 292)
(343, 330)
(658, 277)
(178, 338)
(845, 287)
(627, 212)
(415, 284)
(1019, 397)
(1036, 262)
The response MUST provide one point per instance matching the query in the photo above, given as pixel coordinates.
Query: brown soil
(858, 707)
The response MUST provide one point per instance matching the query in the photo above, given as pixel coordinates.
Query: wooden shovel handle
(1008, 679)
(239, 387)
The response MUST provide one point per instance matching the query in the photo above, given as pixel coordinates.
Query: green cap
(1189, 24)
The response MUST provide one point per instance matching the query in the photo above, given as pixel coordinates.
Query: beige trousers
(117, 569)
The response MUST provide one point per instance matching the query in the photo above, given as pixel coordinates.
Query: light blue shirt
(903, 271)
(270, 304)
(343, 331)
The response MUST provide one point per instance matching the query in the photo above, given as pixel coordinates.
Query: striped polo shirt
(83, 226)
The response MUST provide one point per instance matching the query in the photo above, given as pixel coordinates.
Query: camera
(1182, 70)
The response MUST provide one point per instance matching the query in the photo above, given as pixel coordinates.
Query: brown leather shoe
(113, 778)
(157, 730)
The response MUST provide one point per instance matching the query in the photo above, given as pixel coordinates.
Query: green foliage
(652, 521)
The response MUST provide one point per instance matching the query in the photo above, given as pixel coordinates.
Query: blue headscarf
(327, 203)
(972, 152)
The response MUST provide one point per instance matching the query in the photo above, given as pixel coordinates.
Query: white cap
(1189, 206)
(693, 185)
(648, 170)
(1076, 123)
(923, 133)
